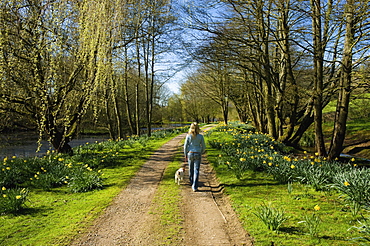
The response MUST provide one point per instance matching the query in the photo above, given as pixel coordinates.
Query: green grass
(166, 207)
(55, 217)
(360, 102)
(257, 188)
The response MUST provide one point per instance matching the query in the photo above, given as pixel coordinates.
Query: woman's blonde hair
(194, 129)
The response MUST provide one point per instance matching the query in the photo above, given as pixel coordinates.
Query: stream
(25, 144)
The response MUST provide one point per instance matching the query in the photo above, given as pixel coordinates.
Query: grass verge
(299, 202)
(166, 207)
(57, 216)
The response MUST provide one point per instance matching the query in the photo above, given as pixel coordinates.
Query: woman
(194, 147)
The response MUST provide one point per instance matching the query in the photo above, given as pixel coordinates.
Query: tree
(355, 22)
(51, 61)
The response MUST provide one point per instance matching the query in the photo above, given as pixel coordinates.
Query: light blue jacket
(194, 144)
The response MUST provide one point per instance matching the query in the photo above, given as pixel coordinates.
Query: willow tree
(51, 55)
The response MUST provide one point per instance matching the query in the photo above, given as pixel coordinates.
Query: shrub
(13, 172)
(11, 200)
(48, 172)
(84, 179)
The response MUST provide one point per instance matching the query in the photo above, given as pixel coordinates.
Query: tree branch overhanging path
(208, 216)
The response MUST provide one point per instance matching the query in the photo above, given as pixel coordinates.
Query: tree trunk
(137, 90)
(60, 143)
(341, 113)
(318, 75)
(108, 116)
(306, 122)
(126, 95)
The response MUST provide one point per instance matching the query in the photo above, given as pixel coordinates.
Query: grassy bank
(275, 203)
(55, 215)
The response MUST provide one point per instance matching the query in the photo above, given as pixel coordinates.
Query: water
(25, 145)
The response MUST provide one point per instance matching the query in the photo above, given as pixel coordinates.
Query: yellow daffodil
(317, 208)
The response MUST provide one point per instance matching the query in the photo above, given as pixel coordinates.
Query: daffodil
(317, 208)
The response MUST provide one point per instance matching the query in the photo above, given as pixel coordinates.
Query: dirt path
(208, 216)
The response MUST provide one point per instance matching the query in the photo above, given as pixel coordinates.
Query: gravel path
(208, 216)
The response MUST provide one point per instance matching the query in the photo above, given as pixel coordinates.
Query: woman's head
(194, 129)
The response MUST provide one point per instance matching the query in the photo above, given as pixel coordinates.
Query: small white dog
(179, 175)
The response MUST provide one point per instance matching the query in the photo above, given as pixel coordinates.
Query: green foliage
(48, 172)
(11, 200)
(272, 217)
(311, 181)
(84, 179)
(312, 222)
(355, 185)
(15, 171)
(364, 229)
(61, 211)
(308, 139)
